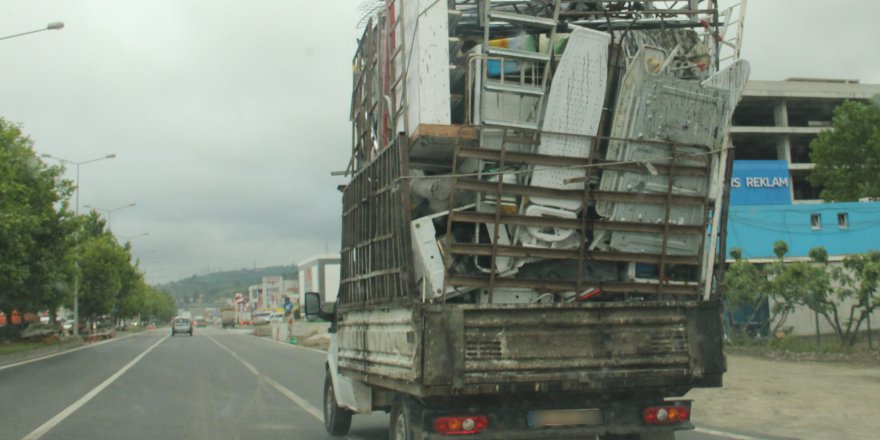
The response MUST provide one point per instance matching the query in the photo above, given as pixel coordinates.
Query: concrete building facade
(777, 120)
(771, 198)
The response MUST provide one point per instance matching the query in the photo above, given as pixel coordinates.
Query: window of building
(803, 190)
(815, 221)
(755, 112)
(811, 112)
(755, 147)
(842, 220)
(800, 148)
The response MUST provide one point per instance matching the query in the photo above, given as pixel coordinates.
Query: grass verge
(11, 347)
(827, 348)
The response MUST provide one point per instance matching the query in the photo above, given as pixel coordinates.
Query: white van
(182, 325)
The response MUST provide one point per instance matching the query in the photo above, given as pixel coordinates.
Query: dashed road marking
(308, 407)
(286, 392)
(66, 412)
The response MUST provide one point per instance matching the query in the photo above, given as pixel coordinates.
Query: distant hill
(219, 286)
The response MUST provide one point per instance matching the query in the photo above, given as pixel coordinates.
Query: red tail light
(460, 425)
(666, 415)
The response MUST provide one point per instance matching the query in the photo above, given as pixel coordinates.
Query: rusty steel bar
(568, 286)
(613, 196)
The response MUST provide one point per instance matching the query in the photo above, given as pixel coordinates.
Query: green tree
(745, 285)
(858, 280)
(843, 295)
(782, 287)
(847, 158)
(55, 253)
(158, 305)
(131, 297)
(33, 229)
(102, 263)
(93, 225)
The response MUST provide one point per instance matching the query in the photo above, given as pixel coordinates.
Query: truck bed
(438, 350)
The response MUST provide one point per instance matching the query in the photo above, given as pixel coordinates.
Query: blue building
(842, 228)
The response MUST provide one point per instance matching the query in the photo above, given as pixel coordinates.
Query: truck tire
(406, 420)
(337, 421)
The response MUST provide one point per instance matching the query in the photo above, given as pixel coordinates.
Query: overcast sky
(227, 117)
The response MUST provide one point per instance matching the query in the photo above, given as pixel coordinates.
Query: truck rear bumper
(556, 433)
(514, 421)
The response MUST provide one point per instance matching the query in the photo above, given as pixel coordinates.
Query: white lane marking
(729, 435)
(45, 427)
(40, 358)
(315, 412)
(293, 397)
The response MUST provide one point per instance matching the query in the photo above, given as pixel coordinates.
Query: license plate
(564, 417)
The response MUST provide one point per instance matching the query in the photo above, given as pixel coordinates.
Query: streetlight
(109, 212)
(49, 27)
(76, 279)
(109, 156)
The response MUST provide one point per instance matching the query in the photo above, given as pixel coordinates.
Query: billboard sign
(760, 182)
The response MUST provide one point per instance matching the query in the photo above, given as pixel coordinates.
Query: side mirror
(314, 308)
(313, 305)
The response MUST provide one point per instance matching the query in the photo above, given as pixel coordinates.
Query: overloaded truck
(533, 226)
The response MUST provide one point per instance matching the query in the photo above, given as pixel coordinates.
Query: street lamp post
(76, 279)
(109, 156)
(49, 27)
(109, 212)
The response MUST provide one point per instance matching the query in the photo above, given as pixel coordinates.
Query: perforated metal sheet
(574, 106)
(656, 106)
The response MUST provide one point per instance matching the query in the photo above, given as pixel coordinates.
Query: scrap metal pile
(548, 151)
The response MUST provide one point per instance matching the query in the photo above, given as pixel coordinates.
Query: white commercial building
(320, 273)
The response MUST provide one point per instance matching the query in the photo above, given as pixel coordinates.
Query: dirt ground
(804, 400)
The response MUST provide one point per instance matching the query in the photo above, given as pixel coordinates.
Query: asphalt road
(218, 384)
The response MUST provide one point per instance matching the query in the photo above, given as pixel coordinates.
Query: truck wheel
(405, 420)
(337, 421)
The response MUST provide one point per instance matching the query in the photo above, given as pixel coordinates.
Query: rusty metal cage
(376, 260)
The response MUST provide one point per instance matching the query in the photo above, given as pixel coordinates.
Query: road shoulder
(38, 354)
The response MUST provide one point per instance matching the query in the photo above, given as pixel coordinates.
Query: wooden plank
(468, 132)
